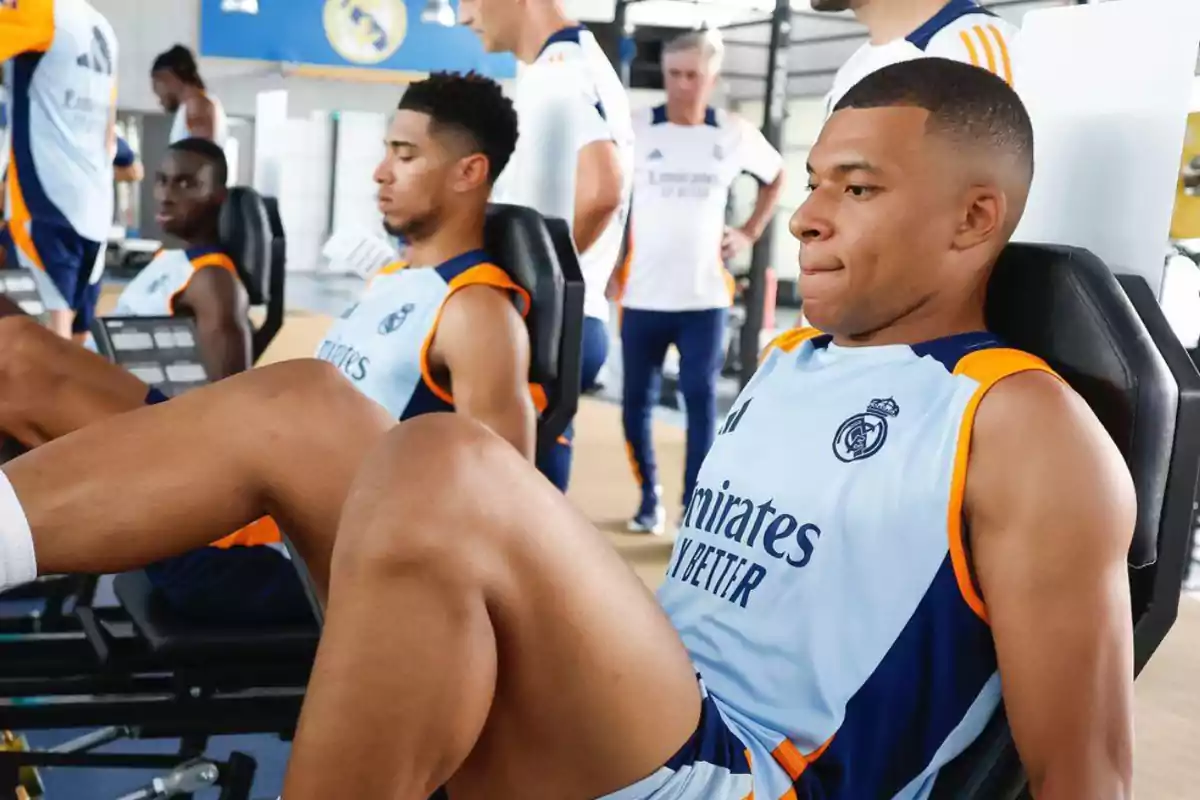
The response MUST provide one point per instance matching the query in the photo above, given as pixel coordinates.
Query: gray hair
(707, 41)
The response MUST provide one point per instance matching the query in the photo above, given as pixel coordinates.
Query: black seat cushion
(245, 231)
(177, 639)
(1065, 305)
(517, 240)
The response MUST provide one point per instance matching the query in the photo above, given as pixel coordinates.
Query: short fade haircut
(472, 105)
(967, 104)
(208, 150)
(706, 40)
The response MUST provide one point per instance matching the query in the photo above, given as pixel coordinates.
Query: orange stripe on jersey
(213, 260)
(788, 341)
(261, 531)
(794, 763)
(19, 216)
(26, 26)
(987, 368)
(1005, 61)
(478, 275)
(987, 48)
(633, 464)
(393, 268)
(626, 265)
(971, 52)
(219, 260)
(538, 393)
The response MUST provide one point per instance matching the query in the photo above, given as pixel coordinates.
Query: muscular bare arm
(201, 115)
(217, 300)
(598, 182)
(1050, 508)
(482, 342)
(130, 174)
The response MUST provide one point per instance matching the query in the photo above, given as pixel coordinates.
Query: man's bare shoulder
(199, 104)
(1037, 449)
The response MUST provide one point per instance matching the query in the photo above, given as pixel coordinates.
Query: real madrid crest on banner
(365, 31)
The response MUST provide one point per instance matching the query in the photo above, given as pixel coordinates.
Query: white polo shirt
(681, 188)
(960, 31)
(569, 97)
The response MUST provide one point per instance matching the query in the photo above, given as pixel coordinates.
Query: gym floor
(1168, 704)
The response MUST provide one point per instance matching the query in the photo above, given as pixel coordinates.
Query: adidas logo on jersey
(734, 418)
(655, 155)
(99, 59)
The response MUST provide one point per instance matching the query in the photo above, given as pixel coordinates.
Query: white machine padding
(1108, 86)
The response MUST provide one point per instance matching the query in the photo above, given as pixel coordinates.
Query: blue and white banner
(377, 35)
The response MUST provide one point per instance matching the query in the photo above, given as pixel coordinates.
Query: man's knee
(304, 391)
(26, 356)
(437, 490)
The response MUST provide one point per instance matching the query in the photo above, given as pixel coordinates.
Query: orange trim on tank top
(262, 531)
(987, 368)
(794, 763)
(478, 275)
(788, 341)
(219, 260)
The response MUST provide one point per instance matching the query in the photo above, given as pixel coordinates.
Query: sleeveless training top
(153, 291)
(820, 579)
(179, 126)
(381, 343)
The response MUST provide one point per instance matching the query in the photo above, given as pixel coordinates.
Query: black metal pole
(776, 109)
(625, 45)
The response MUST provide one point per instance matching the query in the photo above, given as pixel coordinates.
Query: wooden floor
(1168, 705)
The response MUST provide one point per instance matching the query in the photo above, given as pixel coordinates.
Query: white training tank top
(179, 127)
(820, 580)
(381, 342)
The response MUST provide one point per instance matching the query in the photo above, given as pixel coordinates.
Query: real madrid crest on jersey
(863, 435)
(392, 322)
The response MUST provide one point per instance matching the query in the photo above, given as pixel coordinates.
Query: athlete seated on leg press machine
(52, 386)
(480, 634)
(414, 334)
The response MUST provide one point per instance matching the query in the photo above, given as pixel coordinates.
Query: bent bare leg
(50, 386)
(284, 440)
(480, 631)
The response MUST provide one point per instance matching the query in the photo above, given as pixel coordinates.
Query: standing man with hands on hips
(676, 289)
(574, 157)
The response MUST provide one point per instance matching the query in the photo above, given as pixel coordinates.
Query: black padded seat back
(246, 235)
(1064, 305)
(517, 240)
(1106, 335)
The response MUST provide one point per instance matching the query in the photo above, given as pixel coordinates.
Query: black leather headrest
(1065, 305)
(518, 241)
(245, 231)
